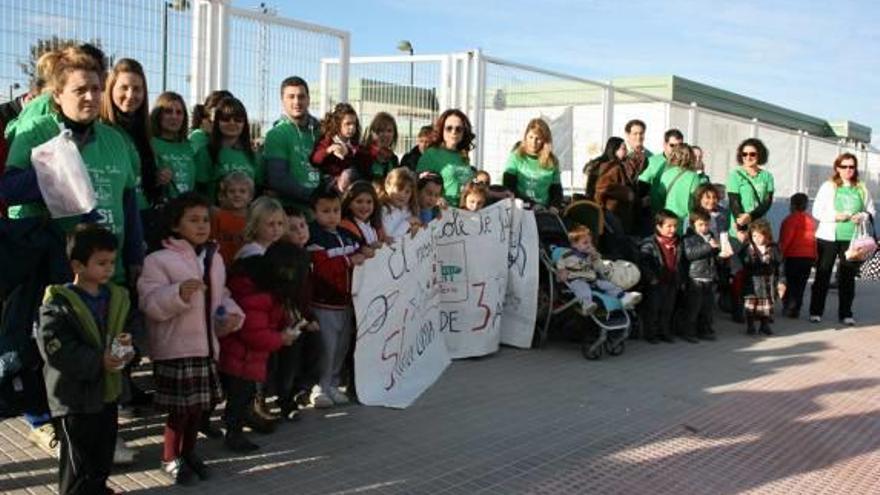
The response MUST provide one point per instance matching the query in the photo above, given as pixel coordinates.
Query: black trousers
(829, 251)
(239, 396)
(657, 310)
(696, 312)
(87, 444)
(797, 272)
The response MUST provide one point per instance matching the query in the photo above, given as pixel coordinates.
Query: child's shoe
(238, 443)
(178, 472)
(262, 409)
(765, 328)
(630, 299)
(338, 397)
(197, 465)
(319, 399)
(589, 308)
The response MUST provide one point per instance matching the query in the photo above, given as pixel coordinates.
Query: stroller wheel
(615, 348)
(592, 353)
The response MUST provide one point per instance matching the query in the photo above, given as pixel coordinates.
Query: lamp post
(406, 46)
(12, 88)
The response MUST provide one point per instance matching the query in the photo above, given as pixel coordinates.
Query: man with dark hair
(289, 145)
(656, 166)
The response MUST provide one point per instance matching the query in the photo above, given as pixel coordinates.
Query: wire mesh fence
(121, 28)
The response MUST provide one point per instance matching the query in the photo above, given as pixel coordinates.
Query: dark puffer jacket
(701, 256)
(244, 353)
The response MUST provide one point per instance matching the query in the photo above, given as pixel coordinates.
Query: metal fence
(122, 28)
(193, 46)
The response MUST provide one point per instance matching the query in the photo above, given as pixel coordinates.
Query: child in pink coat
(183, 296)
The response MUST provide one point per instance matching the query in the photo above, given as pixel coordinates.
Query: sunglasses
(749, 154)
(452, 128)
(847, 167)
(229, 118)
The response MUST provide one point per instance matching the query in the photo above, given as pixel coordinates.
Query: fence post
(692, 123)
(221, 62)
(754, 133)
(445, 83)
(806, 161)
(198, 54)
(480, 105)
(344, 66)
(607, 113)
(799, 161)
(324, 88)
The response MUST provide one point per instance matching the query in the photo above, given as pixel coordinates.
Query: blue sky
(816, 57)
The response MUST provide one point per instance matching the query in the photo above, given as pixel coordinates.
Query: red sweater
(244, 353)
(797, 236)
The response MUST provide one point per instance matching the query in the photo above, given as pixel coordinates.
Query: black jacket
(653, 268)
(700, 256)
(74, 365)
(410, 160)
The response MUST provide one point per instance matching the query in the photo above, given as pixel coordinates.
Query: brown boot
(261, 408)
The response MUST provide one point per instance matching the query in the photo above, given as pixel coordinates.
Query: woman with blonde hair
(842, 205)
(532, 170)
(678, 183)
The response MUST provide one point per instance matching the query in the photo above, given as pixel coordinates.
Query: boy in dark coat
(701, 249)
(82, 341)
(663, 265)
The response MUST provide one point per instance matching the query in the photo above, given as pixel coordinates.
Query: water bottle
(219, 317)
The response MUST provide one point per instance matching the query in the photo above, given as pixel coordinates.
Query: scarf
(668, 249)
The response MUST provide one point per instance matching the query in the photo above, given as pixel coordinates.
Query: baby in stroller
(580, 267)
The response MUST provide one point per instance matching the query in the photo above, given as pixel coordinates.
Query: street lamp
(406, 47)
(12, 88)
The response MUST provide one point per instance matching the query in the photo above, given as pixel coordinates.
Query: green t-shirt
(108, 161)
(849, 200)
(532, 180)
(177, 156)
(678, 195)
(451, 166)
(198, 139)
(657, 165)
(293, 144)
(740, 182)
(228, 160)
(37, 107)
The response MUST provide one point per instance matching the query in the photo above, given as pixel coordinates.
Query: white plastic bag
(621, 273)
(863, 244)
(62, 177)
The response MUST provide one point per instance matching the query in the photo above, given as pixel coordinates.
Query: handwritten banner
(459, 288)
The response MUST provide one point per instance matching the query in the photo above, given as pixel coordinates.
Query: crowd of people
(229, 265)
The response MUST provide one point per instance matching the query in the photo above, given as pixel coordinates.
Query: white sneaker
(849, 321)
(122, 455)
(44, 437)
(338, 397)
(319, 399)
(815, 319)
(589, 308)
(630, 299)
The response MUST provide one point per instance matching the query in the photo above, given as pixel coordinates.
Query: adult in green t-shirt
(175, 159)
(229, 149)
(842, 203)
(677, 184)
(749, 187)
(106, 154)
(657, 165)
(124, 106)
(532, 170)
(288, 147)
(202, 123)
(447, 156)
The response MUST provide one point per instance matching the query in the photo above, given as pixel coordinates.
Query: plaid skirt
(185, 384)
(758, 306)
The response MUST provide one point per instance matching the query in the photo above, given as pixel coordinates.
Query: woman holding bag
(843, 207)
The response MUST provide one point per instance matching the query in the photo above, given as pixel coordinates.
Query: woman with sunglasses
(229, 149)
(749, 187)
(448, 155)
(842, 203)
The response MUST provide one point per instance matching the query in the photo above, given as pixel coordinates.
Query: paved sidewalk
(798, 413)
